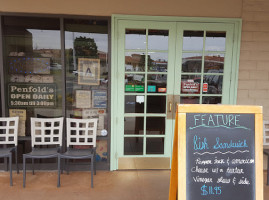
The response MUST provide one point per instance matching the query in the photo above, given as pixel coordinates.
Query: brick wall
(253, 84)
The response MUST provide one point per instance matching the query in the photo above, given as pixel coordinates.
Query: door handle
(170, 106)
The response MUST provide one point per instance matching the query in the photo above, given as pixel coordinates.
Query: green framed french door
(160, 64)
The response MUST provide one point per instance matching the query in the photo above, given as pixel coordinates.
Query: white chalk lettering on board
(220, 155)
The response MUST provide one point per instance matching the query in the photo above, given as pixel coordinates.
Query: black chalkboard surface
(220, 156)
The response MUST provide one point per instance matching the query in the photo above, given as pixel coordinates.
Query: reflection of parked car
(75, 72)
(55, 66)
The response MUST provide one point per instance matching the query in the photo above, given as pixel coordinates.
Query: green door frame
(235, 24)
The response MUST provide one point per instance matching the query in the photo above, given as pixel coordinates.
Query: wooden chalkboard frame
(178, 169)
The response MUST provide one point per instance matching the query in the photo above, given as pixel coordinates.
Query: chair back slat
(9, 130)
(81, 131)
(46, 131)
(265, 132)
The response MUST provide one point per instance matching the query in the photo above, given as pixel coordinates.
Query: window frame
(61, 18)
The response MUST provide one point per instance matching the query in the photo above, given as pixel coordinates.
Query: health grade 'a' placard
(220, 151)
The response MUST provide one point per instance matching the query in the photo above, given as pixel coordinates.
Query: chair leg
(24, 171)
(33, 167)
(10, 168)
(67, 166)
(92, 172)
(94, 162)
(16, 160)
(59, 171)
(63, 167)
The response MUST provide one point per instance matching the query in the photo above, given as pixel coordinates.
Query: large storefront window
(86, 55)
(33, 64)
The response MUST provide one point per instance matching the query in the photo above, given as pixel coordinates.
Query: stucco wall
(194, 8)
(253, 84)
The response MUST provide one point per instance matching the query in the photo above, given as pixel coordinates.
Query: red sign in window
(205, 87)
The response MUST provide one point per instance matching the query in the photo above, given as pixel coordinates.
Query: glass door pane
(144, 84)
(146, 61)
(204, 63)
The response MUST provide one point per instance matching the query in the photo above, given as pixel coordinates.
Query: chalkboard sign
(220, 156)
(217, 153)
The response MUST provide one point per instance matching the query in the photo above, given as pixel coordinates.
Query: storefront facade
(56, 66)
(143, 65)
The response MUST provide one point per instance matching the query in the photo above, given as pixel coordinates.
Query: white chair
(9, 136)
(80, 132)
(44, 132)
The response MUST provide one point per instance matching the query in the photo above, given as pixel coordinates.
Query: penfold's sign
(190, 87)
(31, 95)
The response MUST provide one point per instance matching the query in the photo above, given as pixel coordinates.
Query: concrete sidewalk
(117, 185)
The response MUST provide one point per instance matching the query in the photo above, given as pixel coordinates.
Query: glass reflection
(157, 62)
(212, 84)
(155, 126)
(211, 100)
(135, 61)
(215, 41)
(193, 40)
(189, 100)
(133, 125)
(214, 63)
(32, 56)
(134, 104)
(133, 146)
(86, 40)
(134, 83)
(191, 62)
(156, 104)
(155, 146)
(190, 84)
(32, 59)
(157, 83)
(158, 39)
(135, 39)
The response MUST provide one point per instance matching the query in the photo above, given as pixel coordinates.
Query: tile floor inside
(117, 185)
